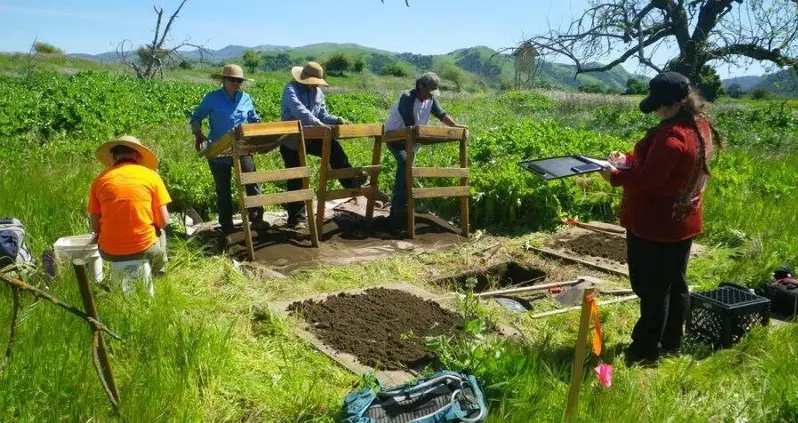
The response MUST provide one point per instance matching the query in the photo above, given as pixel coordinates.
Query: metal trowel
(517, 304)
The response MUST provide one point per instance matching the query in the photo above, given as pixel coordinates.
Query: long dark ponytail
(696, 107)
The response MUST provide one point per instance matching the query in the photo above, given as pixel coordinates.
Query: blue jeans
(338, 160)
(399, 198)
(222, 172)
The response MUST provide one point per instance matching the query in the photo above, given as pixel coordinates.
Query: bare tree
(30, 62)
(150, 59)
(614, 31)
(407, 2)
(525, 64)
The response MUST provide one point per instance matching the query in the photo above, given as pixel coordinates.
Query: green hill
(783, 83)
(482, 63)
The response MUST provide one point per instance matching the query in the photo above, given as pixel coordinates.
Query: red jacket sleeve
(662, 156)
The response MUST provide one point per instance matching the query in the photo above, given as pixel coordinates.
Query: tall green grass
(207, 349)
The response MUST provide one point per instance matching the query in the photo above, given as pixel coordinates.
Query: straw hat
(231, 71)
(311, 74)
(148, 158)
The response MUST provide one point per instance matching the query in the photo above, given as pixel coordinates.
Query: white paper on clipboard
(603, 163)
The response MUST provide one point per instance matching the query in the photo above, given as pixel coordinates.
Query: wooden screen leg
(464, 183)
(241, 203)
(314, 237)
(321, 195)
(376, 156)
(411, 207)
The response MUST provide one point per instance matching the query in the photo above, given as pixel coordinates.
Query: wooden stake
(567, 309)
(376, 157)
(542, 287)
(464, 183)
(321, 197)
(242, 202)
(102, 356)
(303, 155)
(556, 256)
(410, 158)
(579, 356)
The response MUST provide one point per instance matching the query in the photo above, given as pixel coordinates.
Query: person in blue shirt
(227, 108)
(303, 100)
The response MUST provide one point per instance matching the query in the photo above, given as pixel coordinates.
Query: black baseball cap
(665, 89)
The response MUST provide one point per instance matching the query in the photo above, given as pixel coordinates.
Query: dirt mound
(597, 244)
(383, 328)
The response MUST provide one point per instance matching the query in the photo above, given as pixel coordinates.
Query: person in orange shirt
(127, 204)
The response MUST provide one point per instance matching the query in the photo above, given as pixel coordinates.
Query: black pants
(338, 160)
(222, 172)
(657, 271)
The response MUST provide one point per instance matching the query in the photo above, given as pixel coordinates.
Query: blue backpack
(443, 397)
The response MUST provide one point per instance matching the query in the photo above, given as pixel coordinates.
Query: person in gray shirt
(414, 107)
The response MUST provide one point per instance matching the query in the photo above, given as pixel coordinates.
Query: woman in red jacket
(663, 180)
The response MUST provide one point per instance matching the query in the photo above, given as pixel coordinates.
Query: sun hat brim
(148, 158)
(222, 76)
(296, 72)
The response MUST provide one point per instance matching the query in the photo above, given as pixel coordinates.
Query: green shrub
(46, 48)
(394, 69)
(339, 63)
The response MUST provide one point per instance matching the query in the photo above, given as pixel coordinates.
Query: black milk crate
(723, 315)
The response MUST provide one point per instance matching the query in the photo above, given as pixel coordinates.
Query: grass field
(205, 349)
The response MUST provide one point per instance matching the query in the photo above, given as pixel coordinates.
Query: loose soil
(596, 244)
(347, 237)
(498, 276)
(383, 328)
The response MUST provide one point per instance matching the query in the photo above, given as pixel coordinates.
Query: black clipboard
(561, 166)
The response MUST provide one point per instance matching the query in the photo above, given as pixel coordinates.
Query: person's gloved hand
(199, 141)
(342, 121)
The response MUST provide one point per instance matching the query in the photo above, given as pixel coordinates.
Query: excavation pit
(503, 275)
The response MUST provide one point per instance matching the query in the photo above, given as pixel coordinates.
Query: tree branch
(755, 52)
(711, 11)
(676, 19)
(169, 24)
(408, 4)
(19, 284)
(627, 54)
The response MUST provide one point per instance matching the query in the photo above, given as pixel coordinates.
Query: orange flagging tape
(594, 315)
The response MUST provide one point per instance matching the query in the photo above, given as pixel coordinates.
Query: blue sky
(427, 27)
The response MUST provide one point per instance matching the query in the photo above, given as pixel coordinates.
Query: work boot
(632, 358)
(398, 218)
(357, 181)
(298, 222)
(256, 222)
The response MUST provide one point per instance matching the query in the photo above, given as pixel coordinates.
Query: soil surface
(597, 244)
(383, 328)
(347, 237)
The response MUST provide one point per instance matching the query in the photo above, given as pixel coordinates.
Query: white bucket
(69, 248)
